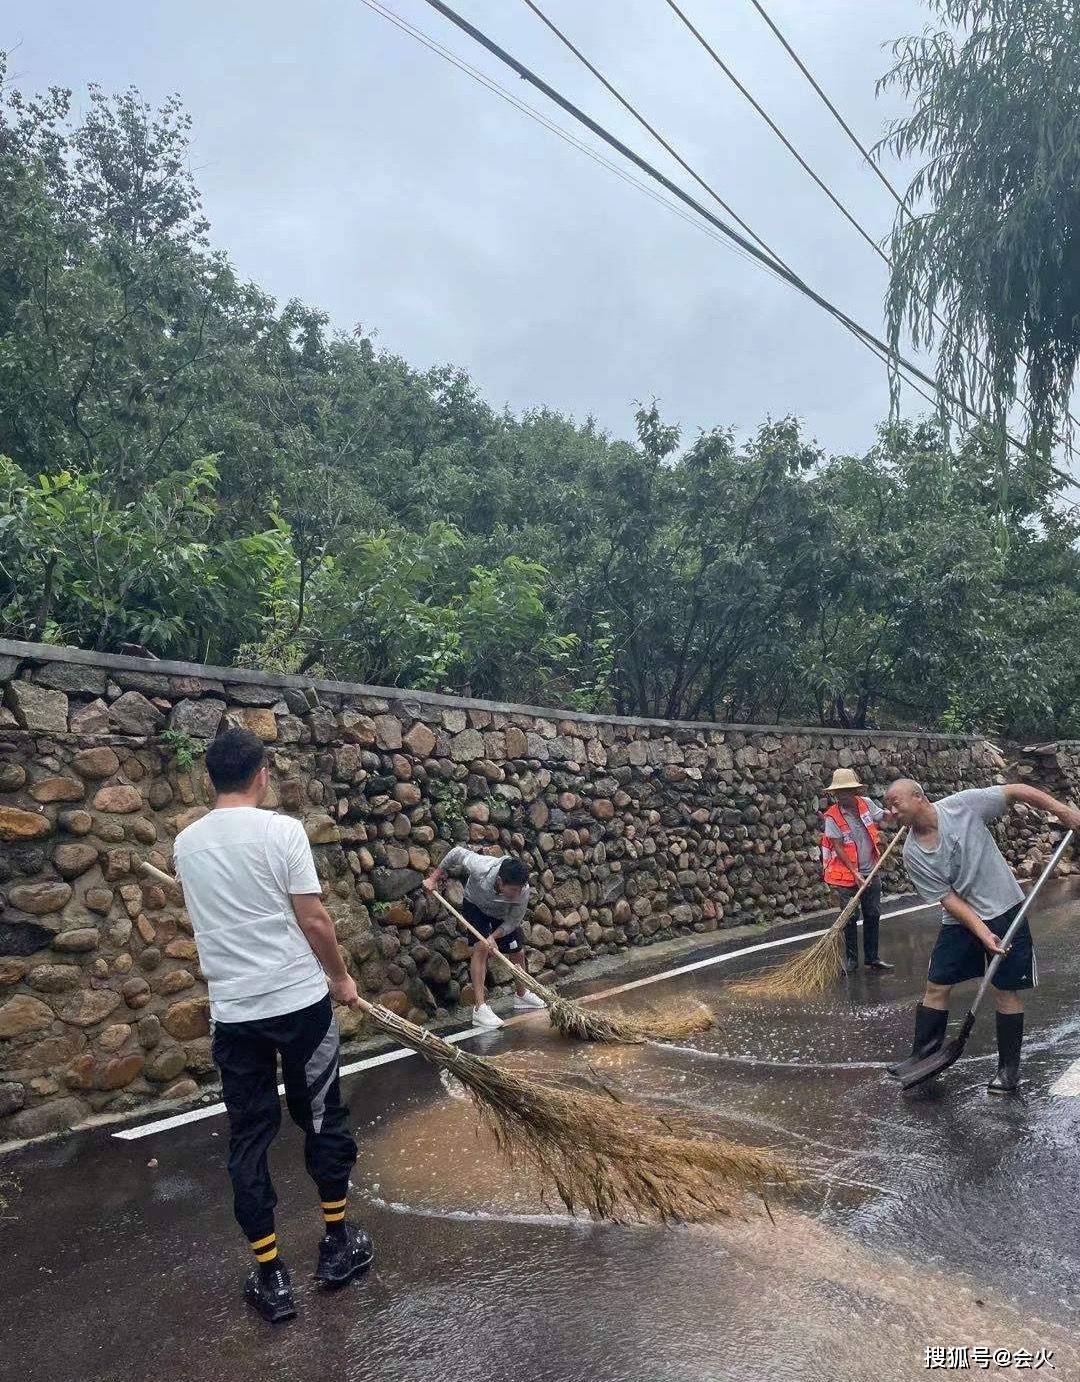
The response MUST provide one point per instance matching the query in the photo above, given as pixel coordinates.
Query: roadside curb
(590, 976)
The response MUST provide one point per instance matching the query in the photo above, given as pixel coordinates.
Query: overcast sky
(343, 163)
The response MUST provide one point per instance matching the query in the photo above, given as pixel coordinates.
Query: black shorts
(511, 944)
(959, 956)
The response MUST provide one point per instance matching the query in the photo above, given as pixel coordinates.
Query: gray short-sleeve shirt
(967, 860)
(856, 833)
(482, 872)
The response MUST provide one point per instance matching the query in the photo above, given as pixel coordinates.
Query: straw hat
(844, 780)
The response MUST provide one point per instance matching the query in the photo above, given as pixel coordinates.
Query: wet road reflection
(938, 1218)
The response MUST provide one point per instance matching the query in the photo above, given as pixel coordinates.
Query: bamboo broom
(817, 968)
(605, 1157)
(682, 1018)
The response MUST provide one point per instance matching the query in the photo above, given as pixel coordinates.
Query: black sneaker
(850, 965)
(342, 1258)
(1006, 1081)
(879, 964)
(271, 1295)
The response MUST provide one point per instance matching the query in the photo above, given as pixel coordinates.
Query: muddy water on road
(942, 1218)
(939, 1219)
(801, 1298)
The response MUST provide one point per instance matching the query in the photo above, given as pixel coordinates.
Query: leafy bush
(185, 465)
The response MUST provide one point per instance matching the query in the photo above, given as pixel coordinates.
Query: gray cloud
(344, 164)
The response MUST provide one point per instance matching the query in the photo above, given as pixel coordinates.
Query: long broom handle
(409, 1032)
(169, 881)
(534, 985)
(1018, 921)
(849, 910)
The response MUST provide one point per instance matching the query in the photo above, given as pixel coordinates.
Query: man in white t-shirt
(270, 957)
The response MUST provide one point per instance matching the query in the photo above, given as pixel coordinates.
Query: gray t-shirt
(967, 860)
(482, 870)
(856, 833)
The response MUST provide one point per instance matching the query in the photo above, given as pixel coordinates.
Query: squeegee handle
(1018, 920)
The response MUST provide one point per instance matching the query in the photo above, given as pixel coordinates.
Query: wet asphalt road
(940, 1218)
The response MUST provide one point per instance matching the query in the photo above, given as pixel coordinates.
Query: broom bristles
(816, 969)
(605, 1157)
(616, 1161)
(811, 972)
(678, 1020)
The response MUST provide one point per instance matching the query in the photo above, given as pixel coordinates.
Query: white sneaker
(483, 1016)
(527, 1001)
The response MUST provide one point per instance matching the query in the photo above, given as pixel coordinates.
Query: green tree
(992, 242)
(78, 565)
(194, 468)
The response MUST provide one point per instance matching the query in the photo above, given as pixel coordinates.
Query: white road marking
(1068, 1085)
(196, 1115)
(733, 955)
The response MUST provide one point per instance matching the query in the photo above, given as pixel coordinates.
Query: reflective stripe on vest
(833, 861)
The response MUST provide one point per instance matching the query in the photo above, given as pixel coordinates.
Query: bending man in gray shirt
(496, 896)
(952, 858)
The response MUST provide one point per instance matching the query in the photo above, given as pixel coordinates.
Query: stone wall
(635, 831)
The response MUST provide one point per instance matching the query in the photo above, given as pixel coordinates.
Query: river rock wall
(634, 831)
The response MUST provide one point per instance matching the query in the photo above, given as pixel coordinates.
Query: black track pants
(870, 906)
(246, 1054)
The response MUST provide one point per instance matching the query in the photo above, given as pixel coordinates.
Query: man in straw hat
(267, 947)
(952, 858)
(850, 847)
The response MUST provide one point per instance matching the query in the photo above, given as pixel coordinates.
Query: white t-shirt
(239, 866)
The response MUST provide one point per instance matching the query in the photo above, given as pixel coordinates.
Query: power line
(867, 155)
(946, 328)
(664, 144)
(901, 200)
(669, 148)
(891, 358)
(879, 348)
(802, 162)
(749, 96)
(866, 336)
(789, 276)
(497, 89)
(491, 85)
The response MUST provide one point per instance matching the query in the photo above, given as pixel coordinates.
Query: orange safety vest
(832, 863)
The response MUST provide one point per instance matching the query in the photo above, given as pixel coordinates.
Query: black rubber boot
(1010, 1036)
(1006, 1081)
(343, 1256)
(270, 1293)
(930, 1027)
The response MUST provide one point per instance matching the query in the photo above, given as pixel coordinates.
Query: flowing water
(941, 1219)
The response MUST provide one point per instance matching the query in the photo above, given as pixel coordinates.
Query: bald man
(952, 858)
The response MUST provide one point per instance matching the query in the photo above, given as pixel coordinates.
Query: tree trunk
(45, 604)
